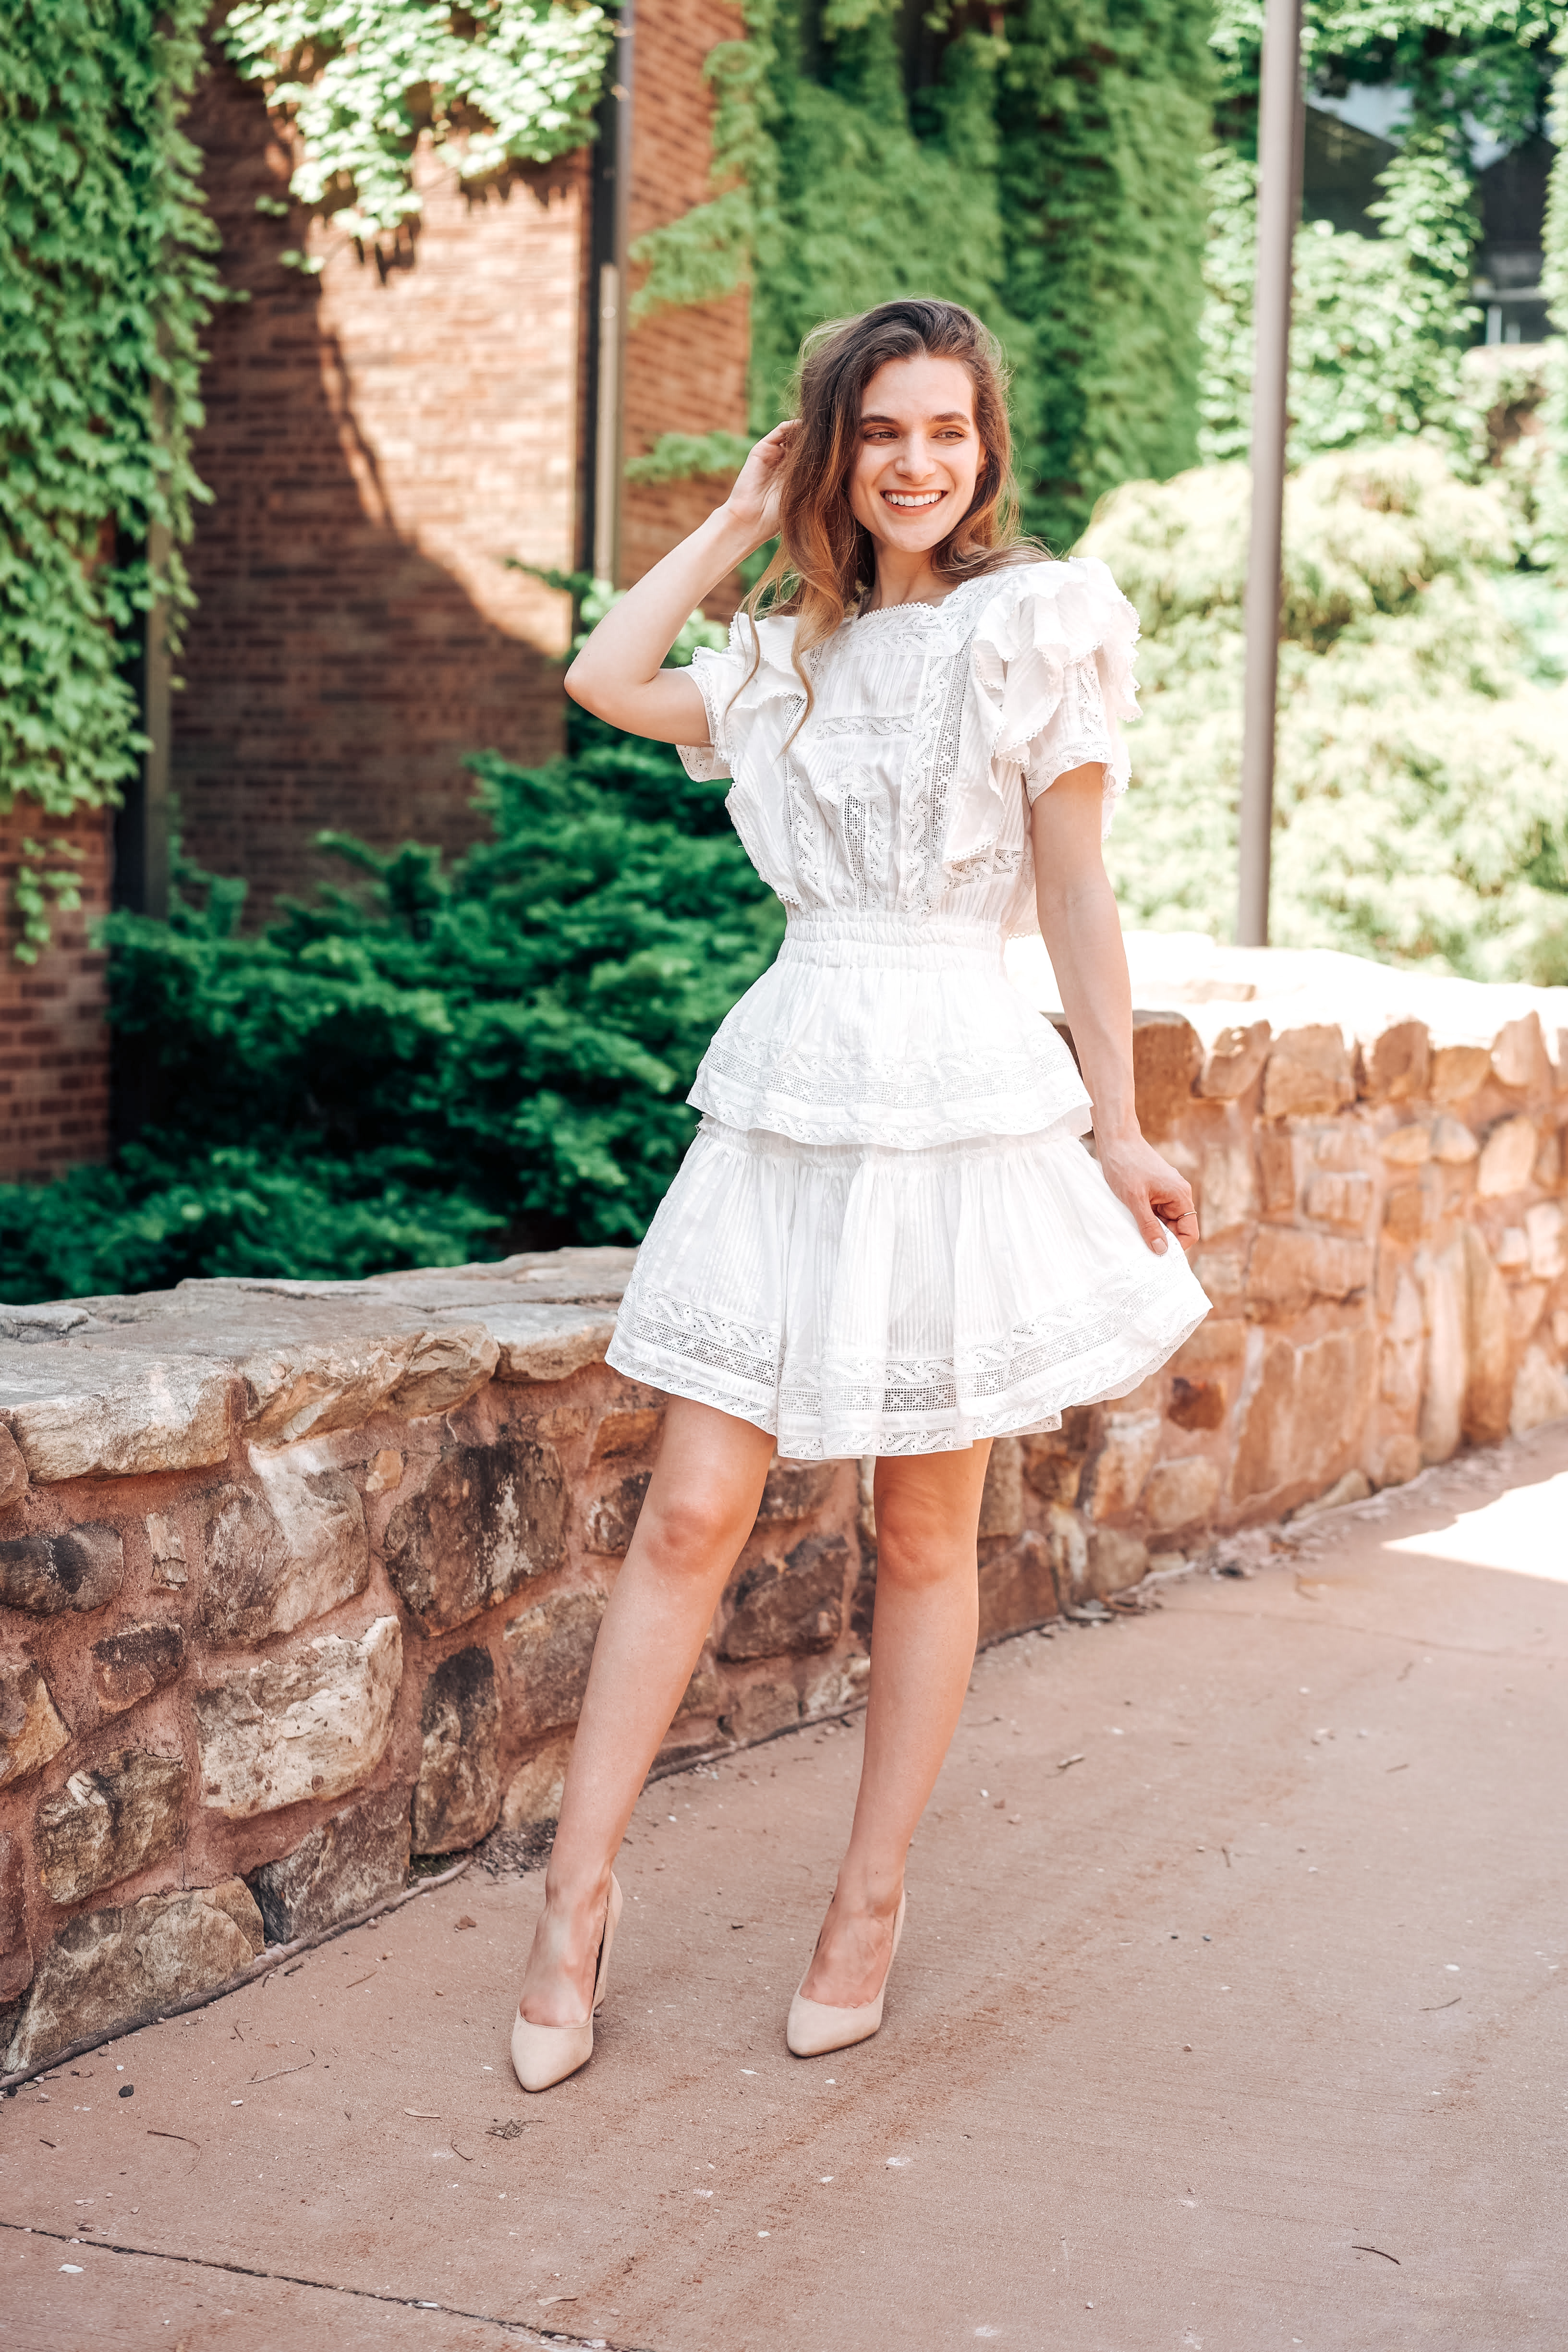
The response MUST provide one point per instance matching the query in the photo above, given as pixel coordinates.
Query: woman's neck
(904, 579)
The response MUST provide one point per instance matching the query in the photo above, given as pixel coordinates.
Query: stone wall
(297, 1579)
(1378, 1162)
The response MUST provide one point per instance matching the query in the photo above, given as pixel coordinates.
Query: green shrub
(1421, 794)
(438, 1060)
(1378, 323)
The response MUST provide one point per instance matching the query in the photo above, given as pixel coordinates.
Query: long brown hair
(826, 559)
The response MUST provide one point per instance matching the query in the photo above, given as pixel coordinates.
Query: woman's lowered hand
(1159, 1197)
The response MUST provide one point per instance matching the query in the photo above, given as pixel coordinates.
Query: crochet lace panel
(889, 1082)
(891, 1405)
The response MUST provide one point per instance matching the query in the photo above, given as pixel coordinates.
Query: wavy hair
(826, 559)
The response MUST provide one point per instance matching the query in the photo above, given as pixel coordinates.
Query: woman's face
(914, 471)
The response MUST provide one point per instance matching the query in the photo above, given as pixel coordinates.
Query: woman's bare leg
(700, 1506)
(923, 1648)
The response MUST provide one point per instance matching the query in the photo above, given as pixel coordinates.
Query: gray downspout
(610, 238)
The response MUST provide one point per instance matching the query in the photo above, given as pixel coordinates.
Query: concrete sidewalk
(1232, 2013)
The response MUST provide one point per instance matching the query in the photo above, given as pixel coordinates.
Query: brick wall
(54, 1049)
(686, 369)
(378, 440)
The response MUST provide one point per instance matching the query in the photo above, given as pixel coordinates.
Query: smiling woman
(896, 479)
(886, 1238)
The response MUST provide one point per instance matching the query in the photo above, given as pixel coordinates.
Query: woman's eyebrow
(943, 417)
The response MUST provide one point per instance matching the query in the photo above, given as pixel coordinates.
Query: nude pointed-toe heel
(814, 2029)
(543, 2055)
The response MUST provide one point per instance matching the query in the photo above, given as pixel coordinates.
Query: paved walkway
(1232, 2014)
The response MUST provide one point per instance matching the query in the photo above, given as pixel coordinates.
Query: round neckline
(923, 603)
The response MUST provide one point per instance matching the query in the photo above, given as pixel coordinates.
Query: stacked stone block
(297, 1580)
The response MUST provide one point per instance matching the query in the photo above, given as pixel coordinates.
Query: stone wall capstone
(299, 1578)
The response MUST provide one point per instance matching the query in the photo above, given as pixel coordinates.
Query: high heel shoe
(814, 2028)
(543, 2055)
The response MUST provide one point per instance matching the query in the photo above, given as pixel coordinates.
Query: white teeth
(913, 499)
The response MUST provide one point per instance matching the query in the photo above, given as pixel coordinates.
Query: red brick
(54, 1045)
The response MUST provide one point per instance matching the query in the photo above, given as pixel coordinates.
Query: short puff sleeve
(737, 683)
(1054, 659)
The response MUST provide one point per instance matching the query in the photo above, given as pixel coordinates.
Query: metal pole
(1278, 210)
(141, 821)
(610, 295)
(607, 428)
(157, 722)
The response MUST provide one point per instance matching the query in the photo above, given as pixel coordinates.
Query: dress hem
(1036, 1408)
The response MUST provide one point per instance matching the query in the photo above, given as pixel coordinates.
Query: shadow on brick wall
(336, 671)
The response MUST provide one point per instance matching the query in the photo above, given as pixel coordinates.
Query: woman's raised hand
(619, 673)
(755, 501)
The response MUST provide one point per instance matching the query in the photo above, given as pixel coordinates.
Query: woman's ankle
(580, 1895)
(876, 1897)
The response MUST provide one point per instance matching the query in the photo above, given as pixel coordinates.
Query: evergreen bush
(441, 1060)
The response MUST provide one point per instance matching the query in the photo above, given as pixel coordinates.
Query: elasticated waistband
(886, 941)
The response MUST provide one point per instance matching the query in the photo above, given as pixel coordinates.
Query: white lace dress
(886, 1236)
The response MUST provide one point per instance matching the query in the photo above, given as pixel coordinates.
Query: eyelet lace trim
(931, 772)
(866, 722)
(706, 763)
(924, 617)
(1028, 1378)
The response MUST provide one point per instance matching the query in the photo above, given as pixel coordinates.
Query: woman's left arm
(1083, 938)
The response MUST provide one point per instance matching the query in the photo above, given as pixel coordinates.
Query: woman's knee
(915, 1551)
(689, 1533)
(928, 1511)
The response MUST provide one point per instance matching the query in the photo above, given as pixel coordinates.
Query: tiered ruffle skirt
(873, 1295)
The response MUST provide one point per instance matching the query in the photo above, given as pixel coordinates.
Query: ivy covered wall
(1081, 173)
(1104, 115)
(877, 189)
(1040, 162)
(105, 281)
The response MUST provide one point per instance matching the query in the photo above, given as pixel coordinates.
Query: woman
(887, 1237)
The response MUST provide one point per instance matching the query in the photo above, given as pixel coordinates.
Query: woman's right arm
(618, 675)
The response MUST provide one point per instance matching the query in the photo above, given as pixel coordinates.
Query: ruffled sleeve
(1053, 659)
(736, 690)
(717, 677)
